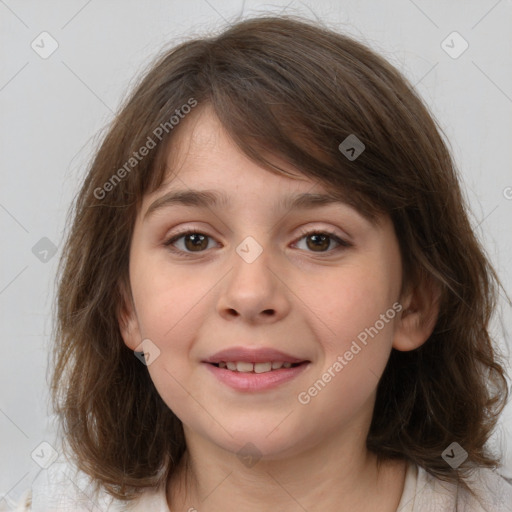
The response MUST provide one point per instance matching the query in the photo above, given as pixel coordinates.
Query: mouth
(255, 377)
(248, 367)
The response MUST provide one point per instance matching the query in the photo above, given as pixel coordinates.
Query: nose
(255, 291)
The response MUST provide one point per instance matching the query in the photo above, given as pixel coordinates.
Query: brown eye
(318, 241)
(188, 242)
(196, 242)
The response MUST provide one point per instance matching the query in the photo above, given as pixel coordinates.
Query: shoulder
(494, 492)
(424, 493)
(63, 488)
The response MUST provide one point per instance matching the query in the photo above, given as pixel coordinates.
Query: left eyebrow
(213, 198)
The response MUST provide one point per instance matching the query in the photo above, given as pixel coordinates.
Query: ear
(127, 318)
(419, 315)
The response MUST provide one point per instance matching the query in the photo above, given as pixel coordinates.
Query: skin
(294, 297)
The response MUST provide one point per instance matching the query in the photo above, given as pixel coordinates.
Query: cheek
(348, 304)
(166, 299)
(170, 321)
(354, 321)
(170, 308)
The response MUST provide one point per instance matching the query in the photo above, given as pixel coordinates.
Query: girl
(271, 296)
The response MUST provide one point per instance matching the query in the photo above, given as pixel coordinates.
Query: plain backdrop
(53, 109)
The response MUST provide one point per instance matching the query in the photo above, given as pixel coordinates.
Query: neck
(334, 476)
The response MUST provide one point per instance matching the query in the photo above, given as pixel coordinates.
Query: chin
(254, 440)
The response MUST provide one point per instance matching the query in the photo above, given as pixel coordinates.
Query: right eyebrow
(199, 198)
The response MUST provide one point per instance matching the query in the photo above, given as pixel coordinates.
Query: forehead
(202, 137)
(205, 168)
(203, 155)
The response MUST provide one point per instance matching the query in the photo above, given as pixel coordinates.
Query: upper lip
(252, 355)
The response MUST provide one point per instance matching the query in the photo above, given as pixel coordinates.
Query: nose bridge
(253, 288)
(251, 263)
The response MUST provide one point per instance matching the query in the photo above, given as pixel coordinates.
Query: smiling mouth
(246, 367)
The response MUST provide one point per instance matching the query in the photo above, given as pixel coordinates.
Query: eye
(188, 242)
(193, 241)
(320, 241)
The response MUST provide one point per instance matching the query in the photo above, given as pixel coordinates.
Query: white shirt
(425, 493)
(58, 489)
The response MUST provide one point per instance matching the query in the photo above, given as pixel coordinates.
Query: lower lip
(247, 381)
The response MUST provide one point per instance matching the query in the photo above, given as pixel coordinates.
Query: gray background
(53, 109)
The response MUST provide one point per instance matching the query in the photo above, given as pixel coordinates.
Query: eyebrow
(212, 198)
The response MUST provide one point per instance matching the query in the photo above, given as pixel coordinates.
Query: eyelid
(333, 233)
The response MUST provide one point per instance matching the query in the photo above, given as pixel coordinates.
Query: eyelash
(342, 244)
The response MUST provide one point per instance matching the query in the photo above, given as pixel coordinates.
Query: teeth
(262, 367)
(244, 367)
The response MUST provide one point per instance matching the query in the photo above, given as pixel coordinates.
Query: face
(270, 323)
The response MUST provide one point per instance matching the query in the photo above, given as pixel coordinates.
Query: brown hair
(284, 87)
